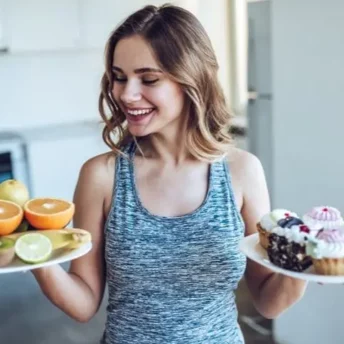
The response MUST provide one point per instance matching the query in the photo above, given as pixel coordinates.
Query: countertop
(82, 128)
(53, 132)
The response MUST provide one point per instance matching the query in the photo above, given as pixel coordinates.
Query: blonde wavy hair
(185, 54)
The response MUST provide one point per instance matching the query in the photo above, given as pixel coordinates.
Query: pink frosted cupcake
(323, 218)
(327, 252)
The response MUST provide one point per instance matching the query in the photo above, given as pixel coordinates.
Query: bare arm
(79, 292)
(272, 293)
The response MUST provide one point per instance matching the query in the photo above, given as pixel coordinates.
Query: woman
(165, 207)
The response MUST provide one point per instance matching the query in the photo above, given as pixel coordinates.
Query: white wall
(308, 122)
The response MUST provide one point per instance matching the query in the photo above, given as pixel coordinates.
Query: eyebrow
(139, 70)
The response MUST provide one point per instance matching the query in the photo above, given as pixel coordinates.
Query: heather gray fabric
(171, 279)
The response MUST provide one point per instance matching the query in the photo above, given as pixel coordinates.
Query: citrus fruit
(6, 251)
(14, 191)
(48, 213)
(11, 215)
(33, 248)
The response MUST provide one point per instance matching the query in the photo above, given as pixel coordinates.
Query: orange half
(48, 213)
(11, 215)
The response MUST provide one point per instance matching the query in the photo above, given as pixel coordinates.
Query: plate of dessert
(34, 232)
(310, 247)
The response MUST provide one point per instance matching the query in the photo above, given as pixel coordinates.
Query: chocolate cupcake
(287, 244)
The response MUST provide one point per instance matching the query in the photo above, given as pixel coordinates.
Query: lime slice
(33, 248)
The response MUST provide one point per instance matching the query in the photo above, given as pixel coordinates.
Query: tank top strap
(122, 189)
(223, 187)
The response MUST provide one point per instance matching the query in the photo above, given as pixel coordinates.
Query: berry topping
(304, 228)
(289, 222)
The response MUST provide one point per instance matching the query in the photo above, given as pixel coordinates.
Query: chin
(138, 132)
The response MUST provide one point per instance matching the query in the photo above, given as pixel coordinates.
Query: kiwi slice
(23, 227)
(6, 251)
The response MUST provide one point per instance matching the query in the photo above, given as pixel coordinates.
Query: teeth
(139, 112)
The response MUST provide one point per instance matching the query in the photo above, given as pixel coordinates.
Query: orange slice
(48, 213)
(11, 215)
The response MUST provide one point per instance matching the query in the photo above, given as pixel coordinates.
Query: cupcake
(287, 245)
(271, 220)
(323, 218)
(327, 252)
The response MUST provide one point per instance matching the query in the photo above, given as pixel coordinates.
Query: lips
(139, 115)
(139, 111)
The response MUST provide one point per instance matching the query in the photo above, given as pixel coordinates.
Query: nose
(131, 92)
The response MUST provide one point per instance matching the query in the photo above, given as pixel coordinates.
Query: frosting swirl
(270, 220)
(296, 233)
(323, 217)
(327, 244)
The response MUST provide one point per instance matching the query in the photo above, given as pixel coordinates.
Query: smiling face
(151, 102)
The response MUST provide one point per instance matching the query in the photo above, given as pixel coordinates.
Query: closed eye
(122, 79)
(119, 79)
(149, 82)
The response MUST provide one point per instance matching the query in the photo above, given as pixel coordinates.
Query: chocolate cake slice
(287, 245)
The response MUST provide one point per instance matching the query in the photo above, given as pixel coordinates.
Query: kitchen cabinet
(54, 165)
(40, 25)
(99, 18)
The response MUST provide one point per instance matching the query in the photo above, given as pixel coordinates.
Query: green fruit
(23, 227)
(14, 191)
(6, 251)
(33, 248)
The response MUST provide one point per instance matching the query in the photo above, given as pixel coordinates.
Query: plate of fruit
(34, 232)
(310, 247)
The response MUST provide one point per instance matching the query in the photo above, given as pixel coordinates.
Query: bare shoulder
(97, 175)
(243, 161)
(92, 192)
(248, 180)
(99, 166)
(246, 169)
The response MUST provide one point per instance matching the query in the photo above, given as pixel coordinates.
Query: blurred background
(281, 67)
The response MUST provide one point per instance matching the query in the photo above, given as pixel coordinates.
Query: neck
(168, 145)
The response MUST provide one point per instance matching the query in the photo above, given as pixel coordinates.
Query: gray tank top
(171, 280)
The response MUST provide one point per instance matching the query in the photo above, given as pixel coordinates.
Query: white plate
(251, 248)
(57, 257)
